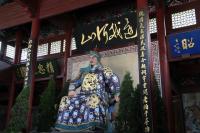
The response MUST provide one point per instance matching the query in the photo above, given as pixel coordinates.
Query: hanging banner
(144, 69)
(186, 43)
(118, 30)
(29, 64)
(43, 69)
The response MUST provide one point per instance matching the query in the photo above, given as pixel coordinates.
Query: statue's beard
(92, 64)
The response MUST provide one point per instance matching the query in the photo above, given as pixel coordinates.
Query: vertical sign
(28, 64)
(144, 69)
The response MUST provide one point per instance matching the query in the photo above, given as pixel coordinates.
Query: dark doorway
(186, 97)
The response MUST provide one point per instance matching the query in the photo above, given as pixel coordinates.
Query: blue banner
(186, 43)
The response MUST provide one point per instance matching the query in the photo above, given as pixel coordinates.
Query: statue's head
(95, 57)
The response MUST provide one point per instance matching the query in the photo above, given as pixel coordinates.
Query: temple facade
(156, 41)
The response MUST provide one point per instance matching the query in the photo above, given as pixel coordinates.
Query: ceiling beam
(29, 6)
(25, 6)
(14, 14)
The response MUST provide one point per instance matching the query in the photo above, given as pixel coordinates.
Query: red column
(13, 83)
(165, 74)
(19, 40)
(32, 67)
(69, 28)
(145, 67)
(142, 4)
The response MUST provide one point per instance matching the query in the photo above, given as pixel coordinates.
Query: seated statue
(87, 110)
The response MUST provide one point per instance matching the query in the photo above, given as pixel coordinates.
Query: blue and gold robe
(87, 110)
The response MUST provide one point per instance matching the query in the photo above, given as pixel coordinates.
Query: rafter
(47, 8)
(28, 5)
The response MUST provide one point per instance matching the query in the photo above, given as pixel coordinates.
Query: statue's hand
(117, 98)
(72, 94)
(69, 80)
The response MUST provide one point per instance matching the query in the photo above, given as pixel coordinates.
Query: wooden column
(69, 28)
(13, 82)
(31, 64)
(164, 65)
(18, 49)
(145, 65)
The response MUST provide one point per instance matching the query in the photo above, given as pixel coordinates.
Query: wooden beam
(25, 6)
(14, 14)
(29, 6)
(54, 7)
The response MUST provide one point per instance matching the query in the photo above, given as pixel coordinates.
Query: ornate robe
(88, 109)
